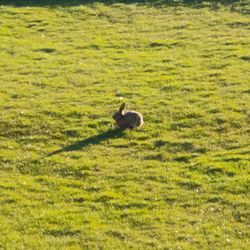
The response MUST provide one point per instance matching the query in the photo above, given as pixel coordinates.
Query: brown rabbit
(128, 119)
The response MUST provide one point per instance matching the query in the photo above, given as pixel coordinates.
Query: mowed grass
(69, 180)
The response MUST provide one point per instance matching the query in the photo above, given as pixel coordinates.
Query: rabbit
(128, 119)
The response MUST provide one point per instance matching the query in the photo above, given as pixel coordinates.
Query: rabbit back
(132, 119)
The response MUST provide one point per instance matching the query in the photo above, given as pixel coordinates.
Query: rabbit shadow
(93, 140)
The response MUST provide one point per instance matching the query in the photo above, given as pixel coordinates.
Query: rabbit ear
(122, 107)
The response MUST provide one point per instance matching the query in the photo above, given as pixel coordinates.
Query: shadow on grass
(64, 3)
(96, 139)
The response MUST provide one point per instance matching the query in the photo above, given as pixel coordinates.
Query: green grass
(69, 180)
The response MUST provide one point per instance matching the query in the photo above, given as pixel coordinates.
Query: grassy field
(70, 180)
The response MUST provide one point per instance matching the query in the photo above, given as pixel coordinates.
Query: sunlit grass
(69, 180)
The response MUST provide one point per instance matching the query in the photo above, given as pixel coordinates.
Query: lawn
(70, 180)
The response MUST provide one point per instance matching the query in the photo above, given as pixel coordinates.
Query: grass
(69, 180)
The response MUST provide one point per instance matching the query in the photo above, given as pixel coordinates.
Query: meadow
(70, 180)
